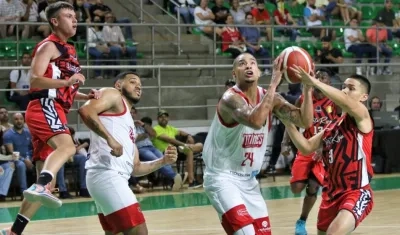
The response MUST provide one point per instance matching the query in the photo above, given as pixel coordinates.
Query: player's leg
(227, 200)
(118, 216)
(47, 123)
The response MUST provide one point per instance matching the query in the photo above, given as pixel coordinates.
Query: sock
(45, 177)
(303, 218)
(19, 224)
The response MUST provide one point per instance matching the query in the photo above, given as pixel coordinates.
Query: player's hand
(318, 155)
(94, 94)
(116, 148)
(76, 78)
(305, 77)
(170, 155)
(277, 70)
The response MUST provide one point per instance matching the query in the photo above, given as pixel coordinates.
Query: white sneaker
(359, 71)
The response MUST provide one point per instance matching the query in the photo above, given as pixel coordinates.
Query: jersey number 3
(248, 157)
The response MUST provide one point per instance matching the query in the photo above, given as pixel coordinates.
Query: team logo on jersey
(253, 140)
(131, 134)
(329, 109)
(318, 109)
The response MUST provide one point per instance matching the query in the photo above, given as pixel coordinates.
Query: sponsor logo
(253, 140)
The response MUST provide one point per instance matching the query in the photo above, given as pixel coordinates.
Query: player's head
(130, 86)
(357, 87)
(61, 17)
(323, 76)
(245, 69)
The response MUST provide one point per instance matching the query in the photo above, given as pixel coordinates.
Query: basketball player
(113, 156)
(306, 172)
(55, 82)
(346, 153)
(236, 143)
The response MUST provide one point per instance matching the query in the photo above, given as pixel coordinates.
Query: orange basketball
(295, 56)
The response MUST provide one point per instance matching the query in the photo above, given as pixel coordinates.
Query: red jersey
(63, 67)
(346, 156)
(325, 112)
(282, 17)
(229, 36)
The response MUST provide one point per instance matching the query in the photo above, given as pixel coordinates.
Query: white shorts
(238, 203)
(117, 206)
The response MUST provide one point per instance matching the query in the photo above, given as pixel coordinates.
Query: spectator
(98, 48)
(29, 10)
(252, 39)
(4, 124)
(377, 36)
(283, 17)
(330, 55)
(355, 43)
(167, 134)
(116, 41)
(388, 18)
(375, 104)
(147, 151)
(10, 11)
(313, 18)
(262, 17)
(231, 39)
(204, 17)
(238, 12)
(18, 139)
(220, 12)
(20, 79)
(329, 8)
(6, 170)
(82, 15)
(45, 28)
(186, 10)
(344, 11)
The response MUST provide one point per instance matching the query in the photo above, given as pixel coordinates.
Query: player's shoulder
(107, 92)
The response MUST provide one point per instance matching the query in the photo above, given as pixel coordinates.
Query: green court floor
(78, 209)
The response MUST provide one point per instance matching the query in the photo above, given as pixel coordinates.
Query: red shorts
(304, 166)
(359, 202)
(45, 118)
(124, 219)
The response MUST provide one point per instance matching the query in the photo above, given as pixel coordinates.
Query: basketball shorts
(359, 202)
(238, 203)
(45, 118)
(117, 206)
(304, 167)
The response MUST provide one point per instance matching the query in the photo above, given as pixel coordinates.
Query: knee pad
(246, 230)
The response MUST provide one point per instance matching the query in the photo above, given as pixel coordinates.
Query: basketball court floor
(189, 212)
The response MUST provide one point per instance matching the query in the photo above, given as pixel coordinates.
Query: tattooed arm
(109, 102)
(287, 112)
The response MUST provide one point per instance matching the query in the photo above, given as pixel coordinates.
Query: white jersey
(122, 128)
(235, 150)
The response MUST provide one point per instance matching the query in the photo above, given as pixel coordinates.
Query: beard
(129, 97)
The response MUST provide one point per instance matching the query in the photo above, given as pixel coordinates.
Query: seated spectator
(329, 8)
(238, 12)
(20, 79)
(203, 17)
(355, 43)
(344, 11)
(220, 12)
(147, 151)
(252, 39)
(313, 18)
(98, 48)
(10, 11)
(353, 11)
(83, 17)
(45, 28)
(4, 124)
(283, 17)
(389, 19)
(330, 55)
(116, 41)
(377, 36)
(375, 104)
(6, 170)
(167, 134)
(186, 11)
(262, 17)
(231, 39)
(29, 10)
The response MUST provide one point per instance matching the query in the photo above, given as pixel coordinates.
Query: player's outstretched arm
(145, 168)
(89, 112)
(234, 106)
(306, 107)
(46, 52)
(305, 146)
(288, 112)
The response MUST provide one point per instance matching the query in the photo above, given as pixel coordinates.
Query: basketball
(295, 56)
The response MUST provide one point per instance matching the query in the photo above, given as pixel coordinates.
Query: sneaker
(195, 185)
(300, 227)
(359, 71)
(177, 183)
(40, 193)
(65, 195)
(7, 231)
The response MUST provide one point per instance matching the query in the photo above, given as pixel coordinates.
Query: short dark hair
(363, 80)
(53, 9)
(147, 120)
(122, 76)
(235, 61)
